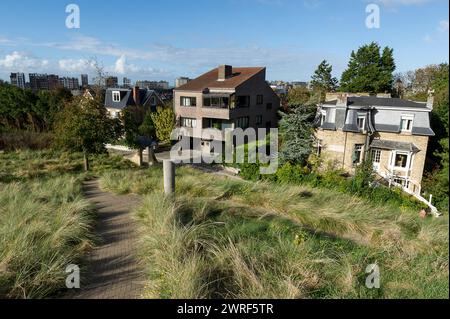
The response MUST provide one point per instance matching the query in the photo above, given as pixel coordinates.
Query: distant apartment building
(181, 81)
(18, 79)
(126, 82)
(43, 81)
(84, 80)
(225, 97)
(116, 99)
(69, 83)
(393, 133)
(111, 82)
(153, 85)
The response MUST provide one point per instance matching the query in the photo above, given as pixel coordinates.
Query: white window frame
(409, 118)
(361, 151)
(114, 95)
(323, 116)
(376, 158)
(408, 160)
(183, 100)
(363, 118)
(189, 122)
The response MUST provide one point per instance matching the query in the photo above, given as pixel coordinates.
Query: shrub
(25, 140)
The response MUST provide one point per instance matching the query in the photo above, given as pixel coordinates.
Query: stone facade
(393, 133)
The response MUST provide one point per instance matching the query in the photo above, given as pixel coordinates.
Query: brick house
(116, 99)
(392, 132)
(225, 97)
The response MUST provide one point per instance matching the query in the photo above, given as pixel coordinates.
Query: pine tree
(297, 135)
(322, 81)
(369, 71)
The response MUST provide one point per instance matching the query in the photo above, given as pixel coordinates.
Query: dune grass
(236, 239)
(45, 223)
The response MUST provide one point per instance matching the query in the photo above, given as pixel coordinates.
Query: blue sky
(167, 39)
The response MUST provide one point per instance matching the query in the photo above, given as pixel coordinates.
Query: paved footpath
(112, 270)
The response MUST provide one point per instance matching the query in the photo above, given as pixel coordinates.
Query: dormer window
(361, 122)
(323, 116)
(116, 96)
(406, 123)
(153, 100)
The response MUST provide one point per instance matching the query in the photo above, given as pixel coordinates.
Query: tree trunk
(86, 162)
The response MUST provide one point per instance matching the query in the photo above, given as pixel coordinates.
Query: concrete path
(113, 272)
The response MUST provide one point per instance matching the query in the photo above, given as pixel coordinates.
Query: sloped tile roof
(209, 80)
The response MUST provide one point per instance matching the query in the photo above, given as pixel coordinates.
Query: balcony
(216, 101)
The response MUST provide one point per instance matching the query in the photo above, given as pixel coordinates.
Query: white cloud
(394, 3)
(121, 65)
(75, 65)
(441, 33)
(443, 26)
(20, 61)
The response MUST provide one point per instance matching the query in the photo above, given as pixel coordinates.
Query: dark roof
(422, 131)
(126, 97)
(379, 101)
(351, 128)
(387, 128)
(394, 145)
(210, 79)
(328, 126)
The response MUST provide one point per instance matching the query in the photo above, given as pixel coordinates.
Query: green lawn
(236, 239)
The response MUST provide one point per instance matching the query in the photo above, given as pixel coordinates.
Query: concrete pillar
(151, 156)
(169, 177)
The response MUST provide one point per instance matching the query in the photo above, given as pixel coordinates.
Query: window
(376, 156)
(259, 99)
(361, 122)
(323, 116)
(116, 96)
(242, 122)
(269, 106)
(153, 100)
(217, 101)
(188, 101)
(357, 153)
(258, 119)
(401, 160)
(243, 101)
(188, 122)
(403, 182)
(406, 123)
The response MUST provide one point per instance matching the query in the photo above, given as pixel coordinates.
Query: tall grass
(44, 226)
(236, 239)
(45, 223)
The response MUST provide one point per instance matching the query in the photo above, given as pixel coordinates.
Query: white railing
(416, 194)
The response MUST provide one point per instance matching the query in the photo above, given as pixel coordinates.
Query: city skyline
(289, 37)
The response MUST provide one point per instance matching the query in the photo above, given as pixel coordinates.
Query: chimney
(430, 100)
(224, 72)
(136, 95)
(342, 100)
